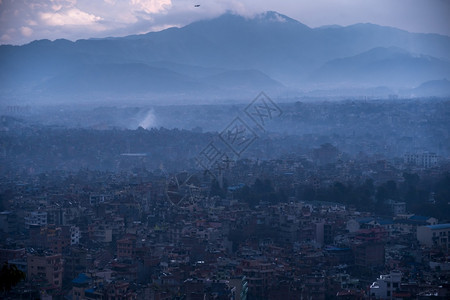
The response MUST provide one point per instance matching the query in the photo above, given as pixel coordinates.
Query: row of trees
(261, 191)
(425, 196)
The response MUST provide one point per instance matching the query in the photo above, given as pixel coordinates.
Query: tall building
(75, 235)
(259, 276)
(369, 254)
(369, 248)
(8, 223)
(314, 287)
(46, 266)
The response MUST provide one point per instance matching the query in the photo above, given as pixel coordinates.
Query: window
(395, 284)
(388, 293)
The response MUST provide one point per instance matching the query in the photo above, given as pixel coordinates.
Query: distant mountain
(392, 66)
(119, 78)
(228, 56)
(243, 79)
(141, 80)
(439, 88)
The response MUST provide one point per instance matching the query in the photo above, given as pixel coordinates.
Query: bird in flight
(197, 5)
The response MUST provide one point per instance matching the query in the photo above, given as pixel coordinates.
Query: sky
(22, 21)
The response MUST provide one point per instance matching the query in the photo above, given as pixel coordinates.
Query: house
(386, 285)
(434, 235)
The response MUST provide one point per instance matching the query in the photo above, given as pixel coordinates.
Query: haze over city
(224, 149)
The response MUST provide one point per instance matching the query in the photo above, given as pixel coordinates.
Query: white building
(353, 225)
(425, 159)
(386, 285)
(75, 235)
(398, 208)
(97, 199)
(102, 234)
(36, 218)
(434, 235)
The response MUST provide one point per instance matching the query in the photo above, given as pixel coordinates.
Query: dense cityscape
(127, 214)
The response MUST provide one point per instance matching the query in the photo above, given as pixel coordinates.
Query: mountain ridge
(282, 52)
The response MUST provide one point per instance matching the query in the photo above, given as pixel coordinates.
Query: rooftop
(81, 279)
(439, 226)
(419, 218)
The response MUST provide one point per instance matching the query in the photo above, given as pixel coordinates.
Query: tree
(10, 276)
(216, 190)
(411, 179)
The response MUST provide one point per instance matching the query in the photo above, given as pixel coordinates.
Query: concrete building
(8, 223)
(100, 233)
(36, 218)
(352, 225)
(398, 208)
(259, 276)
(10, 254)
(75, 235)
(48, 267)
(126, 247)
(369, 254)
(79, 285)
(386, 285)
(425, 159)
(434, 235)
(314, 287)
(369, 248)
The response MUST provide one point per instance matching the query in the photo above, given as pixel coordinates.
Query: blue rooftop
(81, 279)
(365, 220)
(334, 248)
(439, 226)
(385, 222)
(236, 187)
(419, 218)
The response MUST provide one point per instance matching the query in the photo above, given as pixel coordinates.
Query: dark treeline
(423, 196)
(260, 192)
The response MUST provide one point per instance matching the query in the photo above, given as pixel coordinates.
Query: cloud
(56, 7)
(151, 6)
(72, 16)
(26, 31)
(31, 22)
(5, 38)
